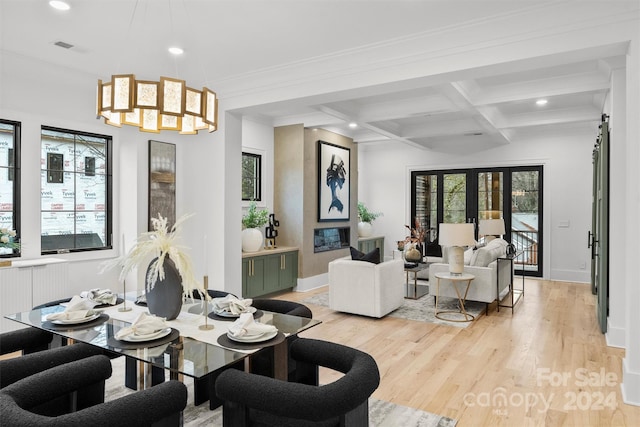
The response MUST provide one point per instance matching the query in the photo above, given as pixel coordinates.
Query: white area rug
(422, 309)
(381, 413)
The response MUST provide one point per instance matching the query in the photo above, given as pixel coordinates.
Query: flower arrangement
(366, 215)
(8, 239)
(255, 218)
(160, 244)
(417, 233)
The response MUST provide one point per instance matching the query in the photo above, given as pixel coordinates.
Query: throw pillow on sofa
(484, 256)
(373, 256)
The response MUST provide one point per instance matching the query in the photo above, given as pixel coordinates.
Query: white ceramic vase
(251, 240)
(364, 229)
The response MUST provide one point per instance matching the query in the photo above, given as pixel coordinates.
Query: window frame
(257, 179)
(17, 137)
(108, 243)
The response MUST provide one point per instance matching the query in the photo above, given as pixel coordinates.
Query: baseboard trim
(571, 275)
(630, 385)
(615, 336)
(306, 284)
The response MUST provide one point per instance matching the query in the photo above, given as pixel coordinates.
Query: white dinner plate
(75, 321)
(253, 338)
(147, 337)
(225, 313)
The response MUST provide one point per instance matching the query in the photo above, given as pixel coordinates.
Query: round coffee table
(456, 279)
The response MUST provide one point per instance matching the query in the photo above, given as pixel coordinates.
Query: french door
(470, 195)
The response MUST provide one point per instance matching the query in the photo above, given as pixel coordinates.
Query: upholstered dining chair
(262, 361)
(158, 406)
(17, 368)
(26, 340)
(251, 399)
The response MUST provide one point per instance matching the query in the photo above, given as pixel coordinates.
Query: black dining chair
(262, 362)
(251, 399)
(15, 369)
(158, 406)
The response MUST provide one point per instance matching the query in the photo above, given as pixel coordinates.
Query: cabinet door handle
(253, 267)
(282, 262)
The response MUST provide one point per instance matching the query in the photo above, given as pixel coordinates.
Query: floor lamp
(455, 236)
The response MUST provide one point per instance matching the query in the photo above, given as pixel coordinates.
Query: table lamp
(491, 228)
(455, 236)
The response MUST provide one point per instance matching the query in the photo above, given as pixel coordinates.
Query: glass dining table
(189, 350)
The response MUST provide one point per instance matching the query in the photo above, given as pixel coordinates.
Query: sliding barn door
(599, 235)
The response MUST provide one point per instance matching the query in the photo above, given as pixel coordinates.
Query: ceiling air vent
(63, 44)
(473, 134)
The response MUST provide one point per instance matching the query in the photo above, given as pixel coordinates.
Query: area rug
(381, 413)
(422, 309)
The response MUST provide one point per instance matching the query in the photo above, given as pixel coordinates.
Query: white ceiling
(226, 39)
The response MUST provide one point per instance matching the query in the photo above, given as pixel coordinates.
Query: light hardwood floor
(545, 365)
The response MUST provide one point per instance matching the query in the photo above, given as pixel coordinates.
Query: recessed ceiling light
(60, 5)
(353, 125)
(176, 50)
(541, 101)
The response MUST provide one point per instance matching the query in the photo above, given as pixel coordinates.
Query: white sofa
(364, 288)
(483, 264)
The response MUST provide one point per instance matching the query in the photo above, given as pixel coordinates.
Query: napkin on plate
(231, 304)
(77, 308)
(245, 325)
(143, 325)
(101, 296)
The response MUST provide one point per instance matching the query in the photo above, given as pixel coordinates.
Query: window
(75, 191)
(469, 195)
(251, 176)
(10, 182)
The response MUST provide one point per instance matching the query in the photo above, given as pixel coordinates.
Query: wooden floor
(545, 365)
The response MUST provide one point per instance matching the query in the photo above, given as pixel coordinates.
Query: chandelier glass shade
(154, 106)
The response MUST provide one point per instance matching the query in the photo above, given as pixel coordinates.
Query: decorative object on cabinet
(365, 228)
(252, 221)
(271, 232)
(264, 273)
(334, 182)
(161, 244)
(162, 182)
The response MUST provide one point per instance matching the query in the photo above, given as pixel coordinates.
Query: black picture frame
(162, 182)
(334, 182)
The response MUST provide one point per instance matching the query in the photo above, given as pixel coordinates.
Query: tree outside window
(251, 176)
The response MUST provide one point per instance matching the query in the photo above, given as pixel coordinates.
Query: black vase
(165, 299)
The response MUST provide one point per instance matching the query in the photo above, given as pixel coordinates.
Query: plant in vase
(169, 278)
(413, 242)
(8, 242)
(252, 221)
(366, 217)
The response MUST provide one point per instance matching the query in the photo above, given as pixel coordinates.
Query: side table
(455, 280)
(418, 291)
(514, 293)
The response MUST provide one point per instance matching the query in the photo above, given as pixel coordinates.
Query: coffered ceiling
(226, 40)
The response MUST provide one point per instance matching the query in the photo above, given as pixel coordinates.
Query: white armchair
(365, 288)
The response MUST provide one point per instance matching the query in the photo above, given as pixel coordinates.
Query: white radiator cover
(29, 283)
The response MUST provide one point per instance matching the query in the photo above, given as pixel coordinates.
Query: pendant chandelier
(154, 106)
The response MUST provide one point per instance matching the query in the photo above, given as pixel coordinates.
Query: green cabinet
(367, 244)
(268, 273)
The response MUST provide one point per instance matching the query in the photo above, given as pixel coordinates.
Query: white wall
(384, 184)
